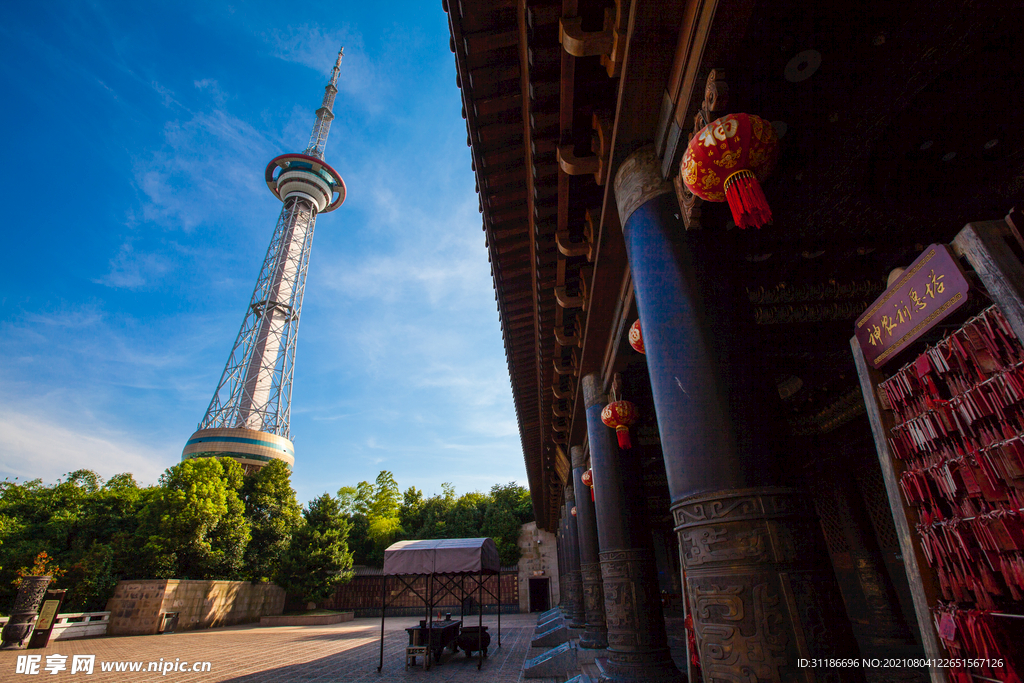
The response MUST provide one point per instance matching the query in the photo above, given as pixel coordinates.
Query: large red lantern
(588, 478)
(573, 511)
(620, 415)
(636, 337)
(724, 162)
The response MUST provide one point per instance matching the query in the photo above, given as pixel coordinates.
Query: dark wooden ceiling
(909, 127)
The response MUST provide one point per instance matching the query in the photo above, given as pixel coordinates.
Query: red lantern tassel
(749, 207)
(623, 434)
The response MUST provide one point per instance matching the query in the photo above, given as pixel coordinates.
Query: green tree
(354, 503)
(67, 520)
(384, 523)
(273, 514)
(195, 527)
(318, 558)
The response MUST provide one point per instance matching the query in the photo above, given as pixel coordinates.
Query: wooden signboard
(47, 616)
(931, 289)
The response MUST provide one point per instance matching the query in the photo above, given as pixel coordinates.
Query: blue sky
(135, 139)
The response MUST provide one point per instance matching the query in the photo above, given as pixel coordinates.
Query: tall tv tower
(248, 418)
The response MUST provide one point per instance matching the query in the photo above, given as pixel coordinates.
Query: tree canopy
(318, 558)
(206, 520)
(379, 516)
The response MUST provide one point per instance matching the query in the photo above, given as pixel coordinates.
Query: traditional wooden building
(758, 491)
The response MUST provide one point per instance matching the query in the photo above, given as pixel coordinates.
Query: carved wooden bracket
(572, 248)
(586, 272)
(600, 144)
(567, 301)
(563, 340)
(580, 43)
(609, 42)
(615, 19)
(559, 438)
(559, 426)
(561, 393)
(716, 97)
(562, 368)
(558, 411)
(574, 165)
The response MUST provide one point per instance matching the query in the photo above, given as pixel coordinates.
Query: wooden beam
(923, 592)
(487, 41)
(985, 245)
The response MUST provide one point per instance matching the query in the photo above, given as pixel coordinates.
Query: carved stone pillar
(563, 592)
(15, 635)
(577, 615)
(596, 634)
(637, 645)
(760, 584)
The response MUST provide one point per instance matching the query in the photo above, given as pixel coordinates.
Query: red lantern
(620, 415)
(725, 161)
(573, 511)
(588, 478)
(636, 337)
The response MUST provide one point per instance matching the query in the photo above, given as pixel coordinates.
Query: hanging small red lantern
(588, 478)
(724, 162)
(573, 511)
(636, 337)
(620, 415)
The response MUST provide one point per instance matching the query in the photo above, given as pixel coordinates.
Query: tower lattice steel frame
(250, 413)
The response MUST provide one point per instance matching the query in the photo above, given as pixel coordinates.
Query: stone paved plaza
(251, 654)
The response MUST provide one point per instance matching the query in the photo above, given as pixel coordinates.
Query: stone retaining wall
(137, 607)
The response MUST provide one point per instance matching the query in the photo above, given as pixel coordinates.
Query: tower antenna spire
(249, 416)
(324, 115)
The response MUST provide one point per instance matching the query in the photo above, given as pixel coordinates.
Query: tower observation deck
(249, 415)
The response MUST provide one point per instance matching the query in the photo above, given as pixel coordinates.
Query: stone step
(544, 616)
(555, 662)
(548, 625)
(552, 637)
(581, 678)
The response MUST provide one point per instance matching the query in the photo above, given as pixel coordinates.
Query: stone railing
(77, 625)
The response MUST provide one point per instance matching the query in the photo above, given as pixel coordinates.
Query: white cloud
(208, 171)
(36, 447)
(131, 270)
(362, 79)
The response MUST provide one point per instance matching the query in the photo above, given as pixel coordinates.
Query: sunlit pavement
(339, 652)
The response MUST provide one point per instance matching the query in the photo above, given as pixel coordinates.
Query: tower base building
(252, 449)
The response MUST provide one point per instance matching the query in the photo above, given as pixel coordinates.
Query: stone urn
(24, 613)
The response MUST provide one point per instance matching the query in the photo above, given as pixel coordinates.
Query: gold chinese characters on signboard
(925, 294)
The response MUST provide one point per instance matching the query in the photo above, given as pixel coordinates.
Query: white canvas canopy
(442, 556)
(446, 565)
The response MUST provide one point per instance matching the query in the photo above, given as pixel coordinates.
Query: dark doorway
(539, 596)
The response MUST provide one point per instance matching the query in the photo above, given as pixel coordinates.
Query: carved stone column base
(574, 595)
(596, 635)
(637, 645)
(650, 667)
(761, 587)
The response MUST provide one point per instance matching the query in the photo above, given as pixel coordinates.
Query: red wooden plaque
(926, 293)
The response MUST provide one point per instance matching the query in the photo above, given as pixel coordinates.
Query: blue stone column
(760, 584)
(637, 644)
(577, 616)
(596, 634)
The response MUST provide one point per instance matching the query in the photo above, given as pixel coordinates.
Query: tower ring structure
(249, 416)
(306, 176)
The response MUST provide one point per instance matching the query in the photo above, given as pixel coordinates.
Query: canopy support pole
(480, 629)
(383, 598)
